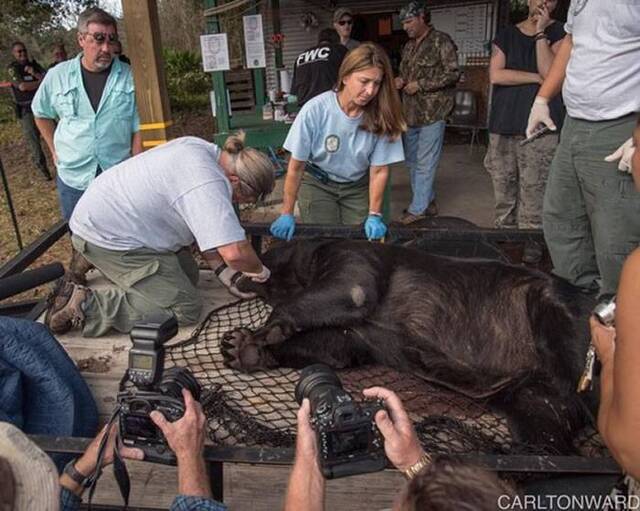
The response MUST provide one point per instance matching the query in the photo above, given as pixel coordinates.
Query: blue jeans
(69, 196)
(422, 150)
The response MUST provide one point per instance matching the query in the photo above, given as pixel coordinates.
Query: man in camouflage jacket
(428, 73)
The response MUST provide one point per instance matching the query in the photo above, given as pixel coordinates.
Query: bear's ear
(248, 285)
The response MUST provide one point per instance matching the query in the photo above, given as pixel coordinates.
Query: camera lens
(177, 378)
(314, 377)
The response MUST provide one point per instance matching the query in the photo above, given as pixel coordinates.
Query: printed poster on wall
(215, 52)
(254, 41)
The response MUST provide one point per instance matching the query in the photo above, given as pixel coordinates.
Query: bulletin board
(470, 26)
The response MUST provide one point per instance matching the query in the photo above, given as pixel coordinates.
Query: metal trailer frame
(216, 456)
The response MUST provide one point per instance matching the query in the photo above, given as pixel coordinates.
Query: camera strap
(119, 468)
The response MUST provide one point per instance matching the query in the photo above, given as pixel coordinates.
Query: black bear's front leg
(337, 347)
(342, 296)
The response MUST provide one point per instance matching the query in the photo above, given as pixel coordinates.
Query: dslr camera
(147, 387)
(349, 442)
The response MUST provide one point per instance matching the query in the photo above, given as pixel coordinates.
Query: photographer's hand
(88, 462)
(401, 443)
(306, 483)
(186, 438)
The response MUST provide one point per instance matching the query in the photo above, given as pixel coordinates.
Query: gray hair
(255, 169)
(95, 15)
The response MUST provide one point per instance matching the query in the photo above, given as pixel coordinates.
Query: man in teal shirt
(86, 110)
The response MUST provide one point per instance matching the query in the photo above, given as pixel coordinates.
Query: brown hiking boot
(65, 307)
(78, 269)
(409, 218)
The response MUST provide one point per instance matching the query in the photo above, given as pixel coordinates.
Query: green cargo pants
(591, 211)
(333, 203)
(147, 282)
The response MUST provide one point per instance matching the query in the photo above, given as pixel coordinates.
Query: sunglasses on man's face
(101, 37)
(342, 23)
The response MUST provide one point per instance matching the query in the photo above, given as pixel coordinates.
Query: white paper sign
(254, 41)
(215, 52)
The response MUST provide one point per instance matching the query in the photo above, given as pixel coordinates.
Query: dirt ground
(35, 200)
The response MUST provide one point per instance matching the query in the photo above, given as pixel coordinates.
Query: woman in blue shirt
(345, 139)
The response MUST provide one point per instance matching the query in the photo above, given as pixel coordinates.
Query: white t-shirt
(163, 199)
(326, 136)
(603, 75)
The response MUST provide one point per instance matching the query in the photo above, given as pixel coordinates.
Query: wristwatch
(77, 477)
(413, 470)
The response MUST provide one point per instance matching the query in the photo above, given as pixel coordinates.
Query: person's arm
(552, 84)
(500, 75)
(378, 177)
(619, 353)
(239, 256)
(635, 160)
(540, 113)
(87, 464)
(186, 439)
(28, 86)
(47, 128)
(295, 171)
(136, 143)
(545, 52)
(306, 484)
(401, 444)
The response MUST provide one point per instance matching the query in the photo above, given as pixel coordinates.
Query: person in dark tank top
(520, 60)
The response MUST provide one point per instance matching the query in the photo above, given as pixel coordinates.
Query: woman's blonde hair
(254, 168)
(383, 114)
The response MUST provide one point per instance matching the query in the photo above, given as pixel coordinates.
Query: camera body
(349, 442)
(151, 388)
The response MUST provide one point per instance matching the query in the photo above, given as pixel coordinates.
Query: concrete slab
(463, 188)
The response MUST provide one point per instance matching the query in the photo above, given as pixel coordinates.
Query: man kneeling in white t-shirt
(135, 223)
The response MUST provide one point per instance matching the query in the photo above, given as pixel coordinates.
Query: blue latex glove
(283, 227)
(374, 227)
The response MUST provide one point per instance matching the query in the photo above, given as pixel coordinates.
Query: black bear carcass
(510, 336)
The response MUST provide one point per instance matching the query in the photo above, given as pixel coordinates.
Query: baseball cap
(339, 13)
(411, 10)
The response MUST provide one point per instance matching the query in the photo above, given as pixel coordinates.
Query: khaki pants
(147, 282)
(519, 175)
(591, 209)
(333, 203)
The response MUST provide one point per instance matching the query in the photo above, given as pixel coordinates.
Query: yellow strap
(152, 143)
(155, 125)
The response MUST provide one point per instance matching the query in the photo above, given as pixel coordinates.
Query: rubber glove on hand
(283, 227)
(232, 278)
(374, 227)
(539, 114)
(624, 153)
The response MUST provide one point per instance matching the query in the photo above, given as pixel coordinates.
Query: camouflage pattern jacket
(433, 63)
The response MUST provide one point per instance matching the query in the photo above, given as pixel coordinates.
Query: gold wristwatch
(413, 470)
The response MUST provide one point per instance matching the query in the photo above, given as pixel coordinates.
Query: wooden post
(145, 51)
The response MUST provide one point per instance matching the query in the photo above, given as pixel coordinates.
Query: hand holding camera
(347, 439)
(185, 436)
(401, 443)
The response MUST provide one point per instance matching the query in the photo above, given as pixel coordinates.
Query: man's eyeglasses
(101, 37)
(345, 22)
